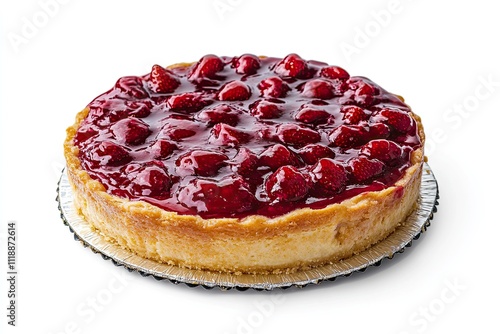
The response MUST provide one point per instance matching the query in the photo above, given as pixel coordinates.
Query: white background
(442, 57)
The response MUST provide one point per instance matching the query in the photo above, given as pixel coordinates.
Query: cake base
(408, 230)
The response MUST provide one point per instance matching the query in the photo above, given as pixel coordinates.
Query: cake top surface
(239, 136)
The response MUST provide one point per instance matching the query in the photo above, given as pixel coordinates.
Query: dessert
(245, 164)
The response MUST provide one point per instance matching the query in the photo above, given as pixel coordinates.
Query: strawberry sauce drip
(233, 137)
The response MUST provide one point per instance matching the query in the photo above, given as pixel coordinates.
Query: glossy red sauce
(232, 137)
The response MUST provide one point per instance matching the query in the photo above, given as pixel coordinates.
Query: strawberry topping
(236, 136)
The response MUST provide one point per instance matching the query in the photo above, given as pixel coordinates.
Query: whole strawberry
(162, 80)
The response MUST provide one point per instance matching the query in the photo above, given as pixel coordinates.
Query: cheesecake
(245, 164)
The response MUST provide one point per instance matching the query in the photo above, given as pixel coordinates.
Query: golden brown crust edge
(298, 240)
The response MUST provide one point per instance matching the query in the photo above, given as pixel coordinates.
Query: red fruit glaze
(237, 136)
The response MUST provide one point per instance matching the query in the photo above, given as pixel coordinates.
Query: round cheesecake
(245, 164)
